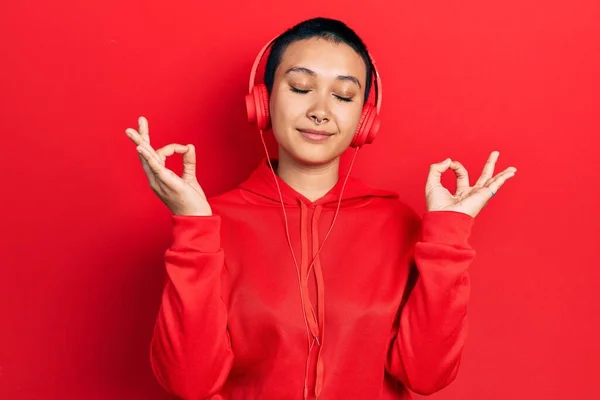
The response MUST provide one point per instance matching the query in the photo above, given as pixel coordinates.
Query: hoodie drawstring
(313, 323)
(320, 298)
(311, 320)
(317, 322)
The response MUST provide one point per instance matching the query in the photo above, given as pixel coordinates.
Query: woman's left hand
(467, 199)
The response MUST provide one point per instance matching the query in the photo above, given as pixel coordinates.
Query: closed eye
(340, 98)
(293, 89)
(344, 99)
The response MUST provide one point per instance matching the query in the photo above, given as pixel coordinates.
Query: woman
(257, 306)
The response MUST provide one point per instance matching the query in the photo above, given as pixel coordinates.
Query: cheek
(348, 117)
(284, 114)
(285, 108)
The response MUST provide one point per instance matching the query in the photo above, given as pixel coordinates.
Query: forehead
(325, 57)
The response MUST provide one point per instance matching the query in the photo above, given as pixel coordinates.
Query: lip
(315, 132)
(314, 135)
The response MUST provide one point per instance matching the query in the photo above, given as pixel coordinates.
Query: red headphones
(257, 106)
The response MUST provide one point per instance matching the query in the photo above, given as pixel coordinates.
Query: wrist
(197, 212)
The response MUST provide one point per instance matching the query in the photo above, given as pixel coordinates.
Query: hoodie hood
(262, 184)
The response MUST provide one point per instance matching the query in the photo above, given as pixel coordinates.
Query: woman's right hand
(183, 195)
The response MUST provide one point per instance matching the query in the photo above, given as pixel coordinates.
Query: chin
(313, 155)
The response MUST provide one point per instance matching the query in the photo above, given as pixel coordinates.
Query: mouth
(315, 135)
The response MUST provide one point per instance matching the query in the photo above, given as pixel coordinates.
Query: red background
(83, 236)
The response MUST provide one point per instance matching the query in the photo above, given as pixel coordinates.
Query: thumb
(436, 171)
(189, 164)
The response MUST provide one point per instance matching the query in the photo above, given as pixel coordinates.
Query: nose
(318, 119)
(319, 112)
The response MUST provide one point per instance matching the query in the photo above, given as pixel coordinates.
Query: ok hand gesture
(467, 199)
(182, 195)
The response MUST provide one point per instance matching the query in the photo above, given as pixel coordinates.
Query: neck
(312, 181)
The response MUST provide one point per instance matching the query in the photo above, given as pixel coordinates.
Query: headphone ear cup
(368, 126)
(257, 106)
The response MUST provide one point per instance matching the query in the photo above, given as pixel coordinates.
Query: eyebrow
(310, 72)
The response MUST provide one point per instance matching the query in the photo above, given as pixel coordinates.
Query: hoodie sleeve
(430, 331)
(191, 353)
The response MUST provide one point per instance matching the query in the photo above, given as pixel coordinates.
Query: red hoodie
(387, 295)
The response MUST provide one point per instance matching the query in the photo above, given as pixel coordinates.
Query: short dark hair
(320, 27)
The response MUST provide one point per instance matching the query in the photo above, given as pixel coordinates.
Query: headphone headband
(377, 80)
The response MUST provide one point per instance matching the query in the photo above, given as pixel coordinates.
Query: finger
(436, 171)
(189, 163)
(136, 137)
(138, 140)
(488, 169)
(496, 183)
(158, 170)
(147, 169)
(462, 176)
(189, 158)
(143, 128)
(169, 150)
